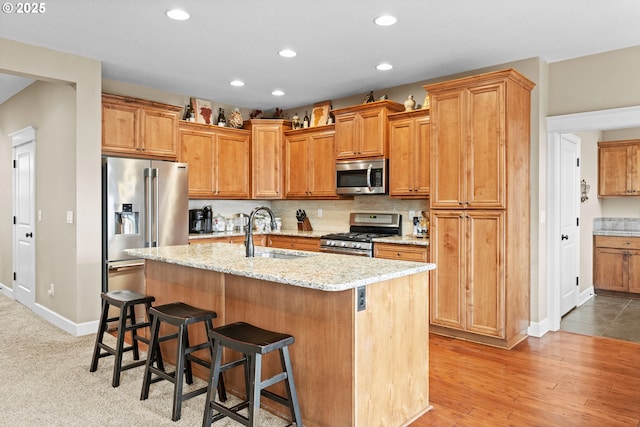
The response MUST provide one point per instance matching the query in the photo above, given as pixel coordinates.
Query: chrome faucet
(248, 236)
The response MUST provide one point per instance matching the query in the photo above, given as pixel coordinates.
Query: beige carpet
(46, 382)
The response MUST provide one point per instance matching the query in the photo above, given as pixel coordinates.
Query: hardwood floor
(562, 379)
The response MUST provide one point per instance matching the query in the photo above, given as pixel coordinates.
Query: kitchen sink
(280, 255)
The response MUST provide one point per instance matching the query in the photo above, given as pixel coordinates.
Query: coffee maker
(208, 219)
(196, 221)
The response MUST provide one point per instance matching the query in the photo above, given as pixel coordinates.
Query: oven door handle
(369, 176)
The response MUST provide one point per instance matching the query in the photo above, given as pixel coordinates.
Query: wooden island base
(351, 368)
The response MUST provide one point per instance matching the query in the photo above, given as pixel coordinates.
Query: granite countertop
(294, 233)
(404, 240)
(316, 270)
(623, 227)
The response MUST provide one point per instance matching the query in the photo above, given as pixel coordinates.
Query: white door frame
(617, 118)
(19, 138)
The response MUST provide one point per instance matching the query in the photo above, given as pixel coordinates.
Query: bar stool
(126, 301)
(253, 343)
(180, 315)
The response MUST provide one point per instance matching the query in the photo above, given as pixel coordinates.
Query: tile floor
(605, 316)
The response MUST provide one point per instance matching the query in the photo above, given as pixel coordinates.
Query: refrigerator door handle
(147, 206)
(155, 200)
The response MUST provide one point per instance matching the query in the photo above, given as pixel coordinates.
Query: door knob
(565, 237)
(28, 235)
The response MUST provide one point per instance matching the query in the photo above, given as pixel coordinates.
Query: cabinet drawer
(299, 243)
(400, 252)
(258, 240)
(617, 242)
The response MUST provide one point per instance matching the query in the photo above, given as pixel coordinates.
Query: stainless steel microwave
(362, 176)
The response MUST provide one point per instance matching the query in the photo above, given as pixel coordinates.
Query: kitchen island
(358, 360)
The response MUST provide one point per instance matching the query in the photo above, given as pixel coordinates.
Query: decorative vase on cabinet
(409, 103)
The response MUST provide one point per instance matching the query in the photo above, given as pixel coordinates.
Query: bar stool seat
(180, 315)
(253, 343)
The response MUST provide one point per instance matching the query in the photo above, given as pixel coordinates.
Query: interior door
(569, 215)
(24, 252)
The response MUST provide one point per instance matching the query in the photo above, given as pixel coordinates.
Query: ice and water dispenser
(127, 220)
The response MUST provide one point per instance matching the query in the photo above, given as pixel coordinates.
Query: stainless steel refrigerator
(145, 204)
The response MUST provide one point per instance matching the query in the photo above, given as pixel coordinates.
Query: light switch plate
(69, 217)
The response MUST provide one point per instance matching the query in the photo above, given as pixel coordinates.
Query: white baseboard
(538, 329)
(76, 329)
(585, 296)
(7, 291)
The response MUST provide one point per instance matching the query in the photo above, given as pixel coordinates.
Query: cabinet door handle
(565, 237)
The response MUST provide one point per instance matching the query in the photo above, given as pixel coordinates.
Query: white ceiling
(337, 43)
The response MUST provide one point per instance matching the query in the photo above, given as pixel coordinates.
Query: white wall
(79, 157)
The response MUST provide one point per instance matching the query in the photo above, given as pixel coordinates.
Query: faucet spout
(248, 236)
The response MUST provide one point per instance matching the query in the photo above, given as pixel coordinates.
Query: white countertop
(316, 270)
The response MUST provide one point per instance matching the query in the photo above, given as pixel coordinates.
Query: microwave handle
(369, 176)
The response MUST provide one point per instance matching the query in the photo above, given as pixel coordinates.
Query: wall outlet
(362, 298)
(319, 213)
(412, 214)
(51, 290)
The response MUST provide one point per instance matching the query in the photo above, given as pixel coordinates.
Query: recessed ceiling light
(237, 83)
(287, 53)
(277, 92)
(385, 20)
(384, 66)
(178, 14)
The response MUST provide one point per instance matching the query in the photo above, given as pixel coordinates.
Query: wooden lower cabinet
(292, 242)
(616, 264)
(416, 253)
(470, 295)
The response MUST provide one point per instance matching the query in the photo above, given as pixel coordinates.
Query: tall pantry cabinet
(479, 207)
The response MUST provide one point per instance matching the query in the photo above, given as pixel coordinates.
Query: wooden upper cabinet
(619, 168)
(480, 136)
(218, 161)
(267, 154)
(139, 128)
(409, 142)
(310, 163)
(233, 164)
(361, 130)
(196, 149)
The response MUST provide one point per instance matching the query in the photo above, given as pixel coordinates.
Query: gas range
(363, 228)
